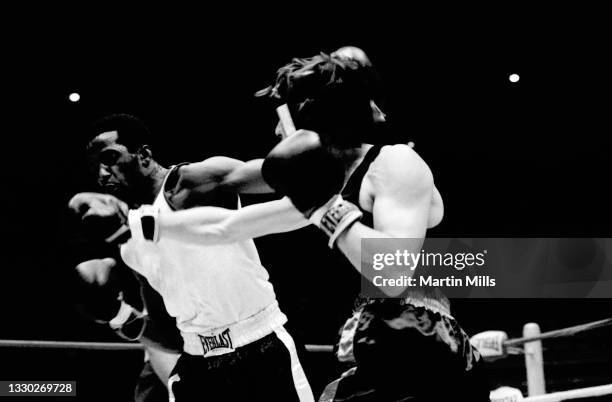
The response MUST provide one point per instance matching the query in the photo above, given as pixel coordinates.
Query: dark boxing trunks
(407, 352)
(264, 370)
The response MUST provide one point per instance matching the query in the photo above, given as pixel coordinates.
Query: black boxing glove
(100, 296)
(97, 291)
(103, 216)
(301, 168)
(308, 173)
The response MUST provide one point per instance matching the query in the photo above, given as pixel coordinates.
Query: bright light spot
(514, 77)
(74, 97)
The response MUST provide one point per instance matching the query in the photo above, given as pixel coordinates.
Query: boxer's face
(114, 166)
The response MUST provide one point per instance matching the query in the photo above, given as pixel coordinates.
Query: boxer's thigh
(161, 362)
(149, 387)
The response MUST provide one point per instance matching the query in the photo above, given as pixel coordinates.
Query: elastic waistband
(431, 304)
(226, 339)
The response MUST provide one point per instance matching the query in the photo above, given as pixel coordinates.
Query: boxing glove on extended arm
(304, 170)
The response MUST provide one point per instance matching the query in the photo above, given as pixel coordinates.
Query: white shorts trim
(302, 386)
(235, 335)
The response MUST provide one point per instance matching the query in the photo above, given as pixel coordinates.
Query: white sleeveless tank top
(203, 287)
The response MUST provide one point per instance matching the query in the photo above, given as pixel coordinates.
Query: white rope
(572, 394)
(560, 333)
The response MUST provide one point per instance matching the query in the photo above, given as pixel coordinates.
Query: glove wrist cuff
(318, 213)
(125, 314)
(336, 217)
(129, 323)
(120, 236)
(143, 223)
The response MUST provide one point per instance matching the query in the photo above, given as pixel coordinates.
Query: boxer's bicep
(402, 217)
(403, 188)
(219, 173)
(246, 178)
(193, 181)
(210, 170)
(396, 215)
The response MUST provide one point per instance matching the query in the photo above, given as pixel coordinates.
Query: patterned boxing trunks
(404, 352)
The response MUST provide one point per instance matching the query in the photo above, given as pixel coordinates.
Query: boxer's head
(120, 155)
(334, 95)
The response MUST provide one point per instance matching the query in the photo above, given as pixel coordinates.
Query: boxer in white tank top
(206, 288)
(235, 346)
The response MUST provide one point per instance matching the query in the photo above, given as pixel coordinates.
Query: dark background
(526, 159)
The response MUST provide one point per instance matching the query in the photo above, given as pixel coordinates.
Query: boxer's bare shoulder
(399, 172)
(397, 169)
(401, 164)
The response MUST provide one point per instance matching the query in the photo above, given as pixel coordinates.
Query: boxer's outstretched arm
(246, 178)
(218, 173)
(213, 225)
(403, 187)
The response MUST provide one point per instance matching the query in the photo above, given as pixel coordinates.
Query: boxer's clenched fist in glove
(301, 168)
(103, 216)
(96, 271)
(102, 299)
(307, 172)
(98, 294)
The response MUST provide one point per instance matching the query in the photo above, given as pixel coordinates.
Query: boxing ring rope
(534, 361)
(531, 342)
(588, 392)
(558, 333)
(15, 343)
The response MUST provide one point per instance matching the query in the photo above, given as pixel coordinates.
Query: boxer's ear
(145, 155)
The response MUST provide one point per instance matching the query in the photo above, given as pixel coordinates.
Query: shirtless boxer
(404, 348)
(235, 345)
